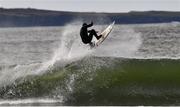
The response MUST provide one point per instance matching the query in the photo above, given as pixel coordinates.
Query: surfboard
(104, 34)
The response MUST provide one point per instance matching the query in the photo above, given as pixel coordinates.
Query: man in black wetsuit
(87, 35)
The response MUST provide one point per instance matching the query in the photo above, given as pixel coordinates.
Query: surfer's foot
(92, 44)
(99, 37)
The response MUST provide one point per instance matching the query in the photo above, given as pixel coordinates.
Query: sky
(95, 5)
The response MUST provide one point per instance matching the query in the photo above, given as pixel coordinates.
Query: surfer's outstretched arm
(90, 24)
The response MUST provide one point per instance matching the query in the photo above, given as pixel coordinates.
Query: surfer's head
(84, 24)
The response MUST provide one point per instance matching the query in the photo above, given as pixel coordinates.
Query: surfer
(87, 35)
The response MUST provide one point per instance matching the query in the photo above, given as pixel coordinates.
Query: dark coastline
(34, 17)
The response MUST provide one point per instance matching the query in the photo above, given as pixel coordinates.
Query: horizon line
(88, 11)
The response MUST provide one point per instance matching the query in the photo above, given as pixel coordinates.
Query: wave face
(135, 65)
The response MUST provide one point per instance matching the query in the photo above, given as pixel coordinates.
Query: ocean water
(137, 64)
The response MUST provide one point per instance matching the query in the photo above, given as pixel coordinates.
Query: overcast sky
(95, 5)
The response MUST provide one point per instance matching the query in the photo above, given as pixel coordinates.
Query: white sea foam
(31, 101)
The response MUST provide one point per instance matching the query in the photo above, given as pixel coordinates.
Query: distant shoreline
(34, 17)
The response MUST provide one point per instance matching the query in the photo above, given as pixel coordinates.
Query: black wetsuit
(87, 35)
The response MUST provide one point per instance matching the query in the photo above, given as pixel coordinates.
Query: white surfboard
(104, 34)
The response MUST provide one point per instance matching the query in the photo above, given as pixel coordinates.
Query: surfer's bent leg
(93, 32)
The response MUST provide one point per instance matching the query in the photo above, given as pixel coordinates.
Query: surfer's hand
(91, 23)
